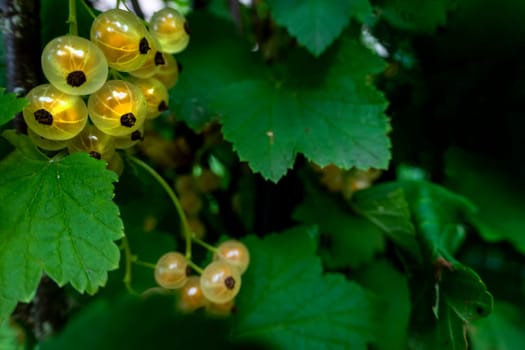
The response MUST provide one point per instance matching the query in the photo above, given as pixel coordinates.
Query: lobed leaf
(287, 302)
(60, 220)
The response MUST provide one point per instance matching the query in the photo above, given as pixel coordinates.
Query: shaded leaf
(287, 302)
(499, 199)
(10, 105)
(347, 239)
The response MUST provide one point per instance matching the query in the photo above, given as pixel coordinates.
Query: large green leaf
(59, 219)
(9, 106)
(498, 198)
(503, 330)
(347, 239)
(287, 302)
(317, 23)
(416, 15)
(325, 109)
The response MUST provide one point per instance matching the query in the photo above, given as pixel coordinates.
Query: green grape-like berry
(156, 95)
(91, 140)
(119, 108)
(130, 140)
(168, 73)
(191, 297)
(170, 270)
(220, 282)
(171, 29)
(54, 114)
(46, 144)
(234, 253)
(123, 38)
(74, 65)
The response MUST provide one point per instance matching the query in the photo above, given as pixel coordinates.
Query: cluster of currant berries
(218, 284)
(139, 60)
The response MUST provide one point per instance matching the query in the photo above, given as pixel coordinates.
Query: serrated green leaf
(499, 199)
(503, 330)
(392, 288)
(327, 111)
(10, 105)
(317, 23)
(287, 302)
(422, 16)
(386, 207)
(59, 220)
(346, 239)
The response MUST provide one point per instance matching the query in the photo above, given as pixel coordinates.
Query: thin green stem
(128, 258)
(88, 9)
(184, 222)
(72, 19)
(195, 267)
(204, 244)
(144, 263)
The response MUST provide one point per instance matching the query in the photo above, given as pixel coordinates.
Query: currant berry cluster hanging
(138, 58)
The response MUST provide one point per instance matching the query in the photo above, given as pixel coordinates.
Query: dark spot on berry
(76, 78)
(95, 154)
(179, 66)
(144, 46)
(479, 310)
(136, 135)
(128, 120)
(229, 282)
(187, 27)
(43, 117)
(159, 59)
(162, 106)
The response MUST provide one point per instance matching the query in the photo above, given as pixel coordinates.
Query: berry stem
(72, 19)
(88, 9)
(184, 222)
(144, 263)
(128, 257)
(194, 266)
(204, 244)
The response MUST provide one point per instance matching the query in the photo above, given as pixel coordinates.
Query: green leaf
(386, 207)
(317, 23)
(60, 221)
(503, 330)
(465, 293)
(202, 77)
(11, 338)
(137, 324)
(392, 289)
(9, 106)
(422, 16)
(346, 239)
(287, 302)
(439, 216)
(499, 199)
(326, 103)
